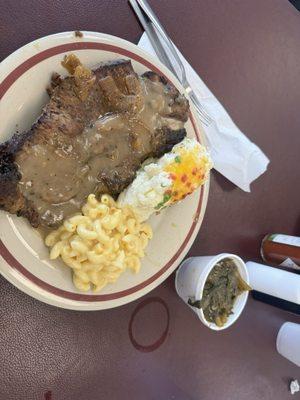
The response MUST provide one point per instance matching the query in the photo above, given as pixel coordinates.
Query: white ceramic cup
(288, 342)
(191, 277)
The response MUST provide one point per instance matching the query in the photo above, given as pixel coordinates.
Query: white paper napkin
(233, 154)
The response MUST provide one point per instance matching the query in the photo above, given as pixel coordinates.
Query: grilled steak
(92, 136)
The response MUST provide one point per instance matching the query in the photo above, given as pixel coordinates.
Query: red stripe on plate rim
(6, 254)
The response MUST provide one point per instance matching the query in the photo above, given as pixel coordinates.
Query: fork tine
(203, 115)
(203, 120)
(206, 116)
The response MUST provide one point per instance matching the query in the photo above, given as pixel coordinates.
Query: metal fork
(156, 32)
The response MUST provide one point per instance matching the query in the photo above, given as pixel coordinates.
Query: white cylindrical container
(288, 342)
(274, 281)
(191, 277)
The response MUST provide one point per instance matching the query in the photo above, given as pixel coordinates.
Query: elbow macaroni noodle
(100, 244)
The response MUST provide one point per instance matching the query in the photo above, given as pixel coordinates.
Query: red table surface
(248, 54)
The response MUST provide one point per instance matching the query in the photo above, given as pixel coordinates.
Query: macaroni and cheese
(101, 243)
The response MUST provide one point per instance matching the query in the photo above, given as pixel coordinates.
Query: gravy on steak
(57, 176)
(91, 137)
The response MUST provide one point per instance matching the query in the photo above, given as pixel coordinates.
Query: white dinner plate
(24, 76)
